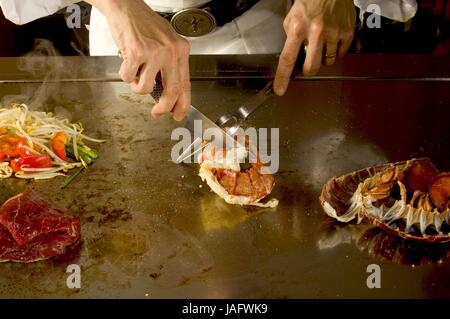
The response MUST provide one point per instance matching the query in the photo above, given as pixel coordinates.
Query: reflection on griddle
(216, 214)
(377, 243)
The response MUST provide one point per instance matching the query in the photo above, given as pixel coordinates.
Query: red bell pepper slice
(11, 146)
(42, 161)
(59, 142)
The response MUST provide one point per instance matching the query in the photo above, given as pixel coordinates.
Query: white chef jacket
(400, 10)
(257, 31)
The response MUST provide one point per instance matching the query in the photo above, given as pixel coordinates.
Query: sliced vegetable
(86, 159)
(59, 142)
(82, 152)
(71, 177)
(36, 144)
(42, 161)
(5, 170)
(23, 149)
(88, 152)
(10, 145)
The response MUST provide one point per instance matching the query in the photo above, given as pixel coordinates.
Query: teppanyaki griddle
(150, 230)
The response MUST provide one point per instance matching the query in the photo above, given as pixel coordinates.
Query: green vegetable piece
(70, 152)
(87, 155)
(71, 177)
(91, 153)
(86, 159)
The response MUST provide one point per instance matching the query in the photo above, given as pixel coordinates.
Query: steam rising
(45, 66)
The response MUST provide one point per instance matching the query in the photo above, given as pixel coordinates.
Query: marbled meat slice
(32, 229)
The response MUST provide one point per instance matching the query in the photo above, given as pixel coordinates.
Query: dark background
(427, 33)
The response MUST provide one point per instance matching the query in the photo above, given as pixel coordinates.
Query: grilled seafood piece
(440, 191)
(225, 173)
(408, 199)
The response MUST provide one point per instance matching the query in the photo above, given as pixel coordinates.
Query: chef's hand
(325, 27)
(148, 44)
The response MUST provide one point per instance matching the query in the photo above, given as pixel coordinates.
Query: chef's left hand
(325, 27)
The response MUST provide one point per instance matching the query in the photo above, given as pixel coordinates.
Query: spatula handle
(251, 105)
(157, 88)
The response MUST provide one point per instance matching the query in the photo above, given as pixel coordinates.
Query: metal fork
(233, 121)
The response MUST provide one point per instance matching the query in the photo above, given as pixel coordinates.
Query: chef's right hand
(325, 27)
(148, 45)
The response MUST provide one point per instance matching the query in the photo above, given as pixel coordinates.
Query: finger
(171, 89)
(330, 52)
(184, 101)
(286, 63)
(180, 109)
(314, 54)
(128, 69)
(344, 45)
(145, 82)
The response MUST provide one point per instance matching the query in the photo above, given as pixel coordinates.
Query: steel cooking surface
(150, 231)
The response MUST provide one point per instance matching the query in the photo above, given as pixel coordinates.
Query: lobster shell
(338, 201)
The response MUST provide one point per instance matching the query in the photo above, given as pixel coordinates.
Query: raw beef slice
(32, 229)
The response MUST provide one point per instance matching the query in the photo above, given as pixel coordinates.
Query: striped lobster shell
(379, 196)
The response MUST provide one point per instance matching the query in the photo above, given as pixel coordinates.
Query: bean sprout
(38, 128)
(5, 170)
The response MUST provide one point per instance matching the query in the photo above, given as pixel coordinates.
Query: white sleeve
(24, 11)
(399, 10)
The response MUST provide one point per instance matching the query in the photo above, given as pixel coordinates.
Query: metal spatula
(233, 121)
(194, 115)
